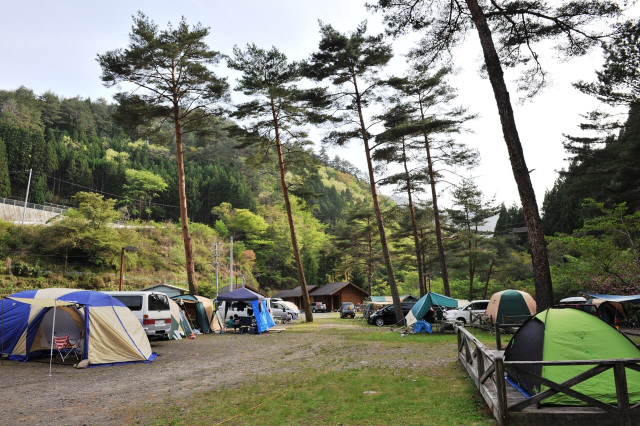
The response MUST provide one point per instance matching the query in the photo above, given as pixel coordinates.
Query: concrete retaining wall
(10, 213)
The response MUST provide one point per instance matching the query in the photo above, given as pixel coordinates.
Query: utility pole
(216, 264)
(231, 287)
(26, 198)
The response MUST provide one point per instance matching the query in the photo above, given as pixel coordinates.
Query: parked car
(347, 310)
(387, 315)
(151, 308)
(281, 309)
(464, 314)
(318, 307)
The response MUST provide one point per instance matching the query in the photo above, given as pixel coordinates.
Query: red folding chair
(65, 347)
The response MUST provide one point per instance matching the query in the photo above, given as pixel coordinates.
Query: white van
(150, 307)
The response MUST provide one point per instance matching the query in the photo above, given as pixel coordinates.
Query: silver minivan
(151, 308)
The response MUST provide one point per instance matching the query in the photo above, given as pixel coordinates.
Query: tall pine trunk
(539, 257)
(414, 227)
(376, 205)
(436, 214)
(182, 193)
(370, 266)
(292, 227)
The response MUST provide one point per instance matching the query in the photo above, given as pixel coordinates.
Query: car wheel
(379, 322)
(289, 317)
(313, 310)
(464, 321)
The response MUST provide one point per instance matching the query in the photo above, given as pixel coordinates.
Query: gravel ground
(105, 395)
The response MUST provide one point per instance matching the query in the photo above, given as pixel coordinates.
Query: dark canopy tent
(241, 293)
(257, 302)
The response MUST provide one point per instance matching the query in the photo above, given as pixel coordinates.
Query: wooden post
(501, 390)
(622, 392)
(121, 286)
(498, 340)
(480, 360)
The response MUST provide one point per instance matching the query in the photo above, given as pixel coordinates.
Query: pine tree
(351, 62)
(469, 214)
(433, 118)
(169, 70)
(278, 109)
(520, 27)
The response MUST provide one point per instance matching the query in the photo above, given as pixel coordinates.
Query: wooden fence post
(622, 392)
(501, 390)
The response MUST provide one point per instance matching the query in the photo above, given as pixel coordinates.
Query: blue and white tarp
(264, 321)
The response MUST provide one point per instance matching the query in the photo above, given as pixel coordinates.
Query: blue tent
(426, 302)
(107, 330)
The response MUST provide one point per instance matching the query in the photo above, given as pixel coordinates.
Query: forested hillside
(73, 145)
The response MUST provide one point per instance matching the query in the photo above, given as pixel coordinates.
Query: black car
(387, 315)
(347, 310)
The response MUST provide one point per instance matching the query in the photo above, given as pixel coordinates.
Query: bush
(22, 269)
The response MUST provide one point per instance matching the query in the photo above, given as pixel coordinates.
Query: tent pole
(2, 335)
(53, 329)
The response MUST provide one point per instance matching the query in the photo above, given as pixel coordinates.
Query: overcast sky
(48, 45)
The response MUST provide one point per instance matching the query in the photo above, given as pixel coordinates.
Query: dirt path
(103, 395)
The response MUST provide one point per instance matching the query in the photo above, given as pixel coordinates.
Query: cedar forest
(134, 169)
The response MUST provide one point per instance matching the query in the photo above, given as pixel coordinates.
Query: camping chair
(65, 347)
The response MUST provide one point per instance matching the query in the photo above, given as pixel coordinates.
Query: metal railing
(54, 208)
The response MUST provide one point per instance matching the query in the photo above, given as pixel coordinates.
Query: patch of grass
(439, 395)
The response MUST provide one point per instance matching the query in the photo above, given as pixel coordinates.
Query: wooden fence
(487, 369)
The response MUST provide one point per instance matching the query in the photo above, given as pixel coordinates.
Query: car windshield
(347, 306)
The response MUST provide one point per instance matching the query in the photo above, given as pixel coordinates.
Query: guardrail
(487, 369)
(55, 208)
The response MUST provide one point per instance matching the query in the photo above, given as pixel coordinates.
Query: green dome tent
(572, 334)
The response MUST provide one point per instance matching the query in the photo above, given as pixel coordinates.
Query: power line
(120, 197)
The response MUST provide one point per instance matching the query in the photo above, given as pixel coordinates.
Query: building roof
(331, 288)
(294, 292)
(180, 289)
(389, 299)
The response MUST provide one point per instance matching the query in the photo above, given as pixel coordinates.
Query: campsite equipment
(510, 307)
(421, 327)
(199, 311)
(572, 334)
(179, 324)
(111, 334)
(426, 302)
(259, 306)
